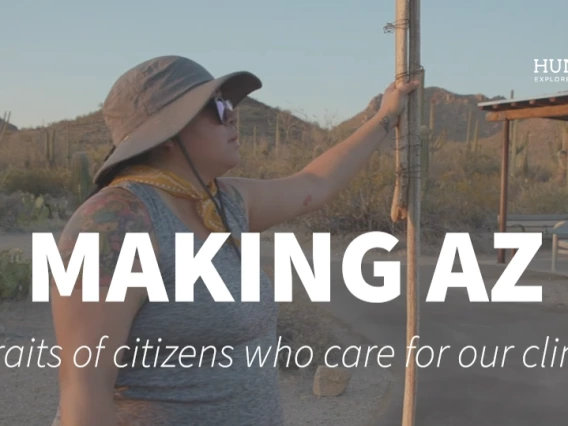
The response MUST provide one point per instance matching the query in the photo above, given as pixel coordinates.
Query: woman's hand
(270, 202)
(393, 102)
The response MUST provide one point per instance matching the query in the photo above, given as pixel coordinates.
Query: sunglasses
(222, 107)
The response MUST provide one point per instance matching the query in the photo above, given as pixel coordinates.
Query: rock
(330, 381)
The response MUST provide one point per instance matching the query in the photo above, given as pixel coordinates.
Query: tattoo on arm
(307, 200)
(111, 215)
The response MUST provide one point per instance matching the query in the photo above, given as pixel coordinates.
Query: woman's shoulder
(111, 212)
(114, 203)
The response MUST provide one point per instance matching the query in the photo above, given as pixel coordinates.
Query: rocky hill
(450, 114)
(91, 129)
(259, 122)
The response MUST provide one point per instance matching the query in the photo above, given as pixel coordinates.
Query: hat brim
(171, 119)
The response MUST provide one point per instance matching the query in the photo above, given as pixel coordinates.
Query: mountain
(259, 122)
(89, 132)
(543, 138)
(450, 114)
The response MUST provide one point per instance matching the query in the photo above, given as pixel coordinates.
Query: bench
(559, 241)
(534, 222)
(553, 226)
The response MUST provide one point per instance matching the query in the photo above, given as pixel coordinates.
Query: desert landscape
(46, 172)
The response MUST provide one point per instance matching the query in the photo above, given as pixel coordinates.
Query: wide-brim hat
(153, 101)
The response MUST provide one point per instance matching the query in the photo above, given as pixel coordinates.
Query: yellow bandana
(177, 187)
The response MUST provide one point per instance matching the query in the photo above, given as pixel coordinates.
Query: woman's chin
(231, 162)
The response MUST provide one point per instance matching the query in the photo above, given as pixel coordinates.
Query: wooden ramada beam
(539, 112)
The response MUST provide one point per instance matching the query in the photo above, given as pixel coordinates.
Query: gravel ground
(360, 404)
(28, 395)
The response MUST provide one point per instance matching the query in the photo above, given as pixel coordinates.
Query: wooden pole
(504, 185)
(413, 219)
(564, 149)
(400, 199)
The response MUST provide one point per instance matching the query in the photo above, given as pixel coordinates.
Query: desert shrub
(462, 191)
(36, 181)
(18, 210)
(544, 198)
(15, 275)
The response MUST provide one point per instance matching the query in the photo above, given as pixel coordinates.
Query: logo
(551, 70)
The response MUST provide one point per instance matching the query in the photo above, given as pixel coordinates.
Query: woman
(174, 135)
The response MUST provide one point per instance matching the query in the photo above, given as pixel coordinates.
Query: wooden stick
(399, 202)
(413, 220)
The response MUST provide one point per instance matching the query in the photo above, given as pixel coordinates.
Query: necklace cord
(219, 206)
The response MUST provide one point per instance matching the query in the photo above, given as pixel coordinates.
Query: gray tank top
(209, 392)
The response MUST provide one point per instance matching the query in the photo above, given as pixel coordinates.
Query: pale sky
(324, 59)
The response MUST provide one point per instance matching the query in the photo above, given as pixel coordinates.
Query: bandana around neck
(177, 187)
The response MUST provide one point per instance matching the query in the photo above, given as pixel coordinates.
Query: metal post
(554, 251)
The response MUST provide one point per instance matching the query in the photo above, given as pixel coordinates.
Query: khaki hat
(152, 102)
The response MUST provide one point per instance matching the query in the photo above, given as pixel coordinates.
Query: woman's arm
(273, 201)
(86, 394)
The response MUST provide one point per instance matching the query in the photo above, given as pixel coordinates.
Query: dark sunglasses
(222, 107)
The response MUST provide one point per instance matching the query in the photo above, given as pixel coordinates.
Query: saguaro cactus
(277, 133)
(5, 124)
(476, 136)
(469, 119)
(254, 140)
(516, 150)
(525, 163)
(50, 155)
(80, 175)
(473, 142)
(66, 149)
(430, 144)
